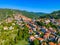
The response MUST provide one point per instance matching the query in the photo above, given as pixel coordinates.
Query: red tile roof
(58, 43)
(40, 39)
(51, 43)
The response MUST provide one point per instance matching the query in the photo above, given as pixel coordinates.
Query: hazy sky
(32, 5)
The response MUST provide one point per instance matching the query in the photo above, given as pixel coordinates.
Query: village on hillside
(42, 31)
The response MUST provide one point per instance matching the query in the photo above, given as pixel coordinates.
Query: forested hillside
(54, 14)
(5, 13)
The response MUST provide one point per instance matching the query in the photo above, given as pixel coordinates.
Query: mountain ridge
(5, 13)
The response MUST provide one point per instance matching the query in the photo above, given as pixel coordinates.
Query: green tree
(36, 42)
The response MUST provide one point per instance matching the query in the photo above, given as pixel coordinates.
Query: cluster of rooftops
(44, 35)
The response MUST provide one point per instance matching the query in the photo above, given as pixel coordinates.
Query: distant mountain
(5, 13)
(54, 14)
(40, 13)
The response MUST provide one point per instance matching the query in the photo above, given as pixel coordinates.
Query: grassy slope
(22, 42)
